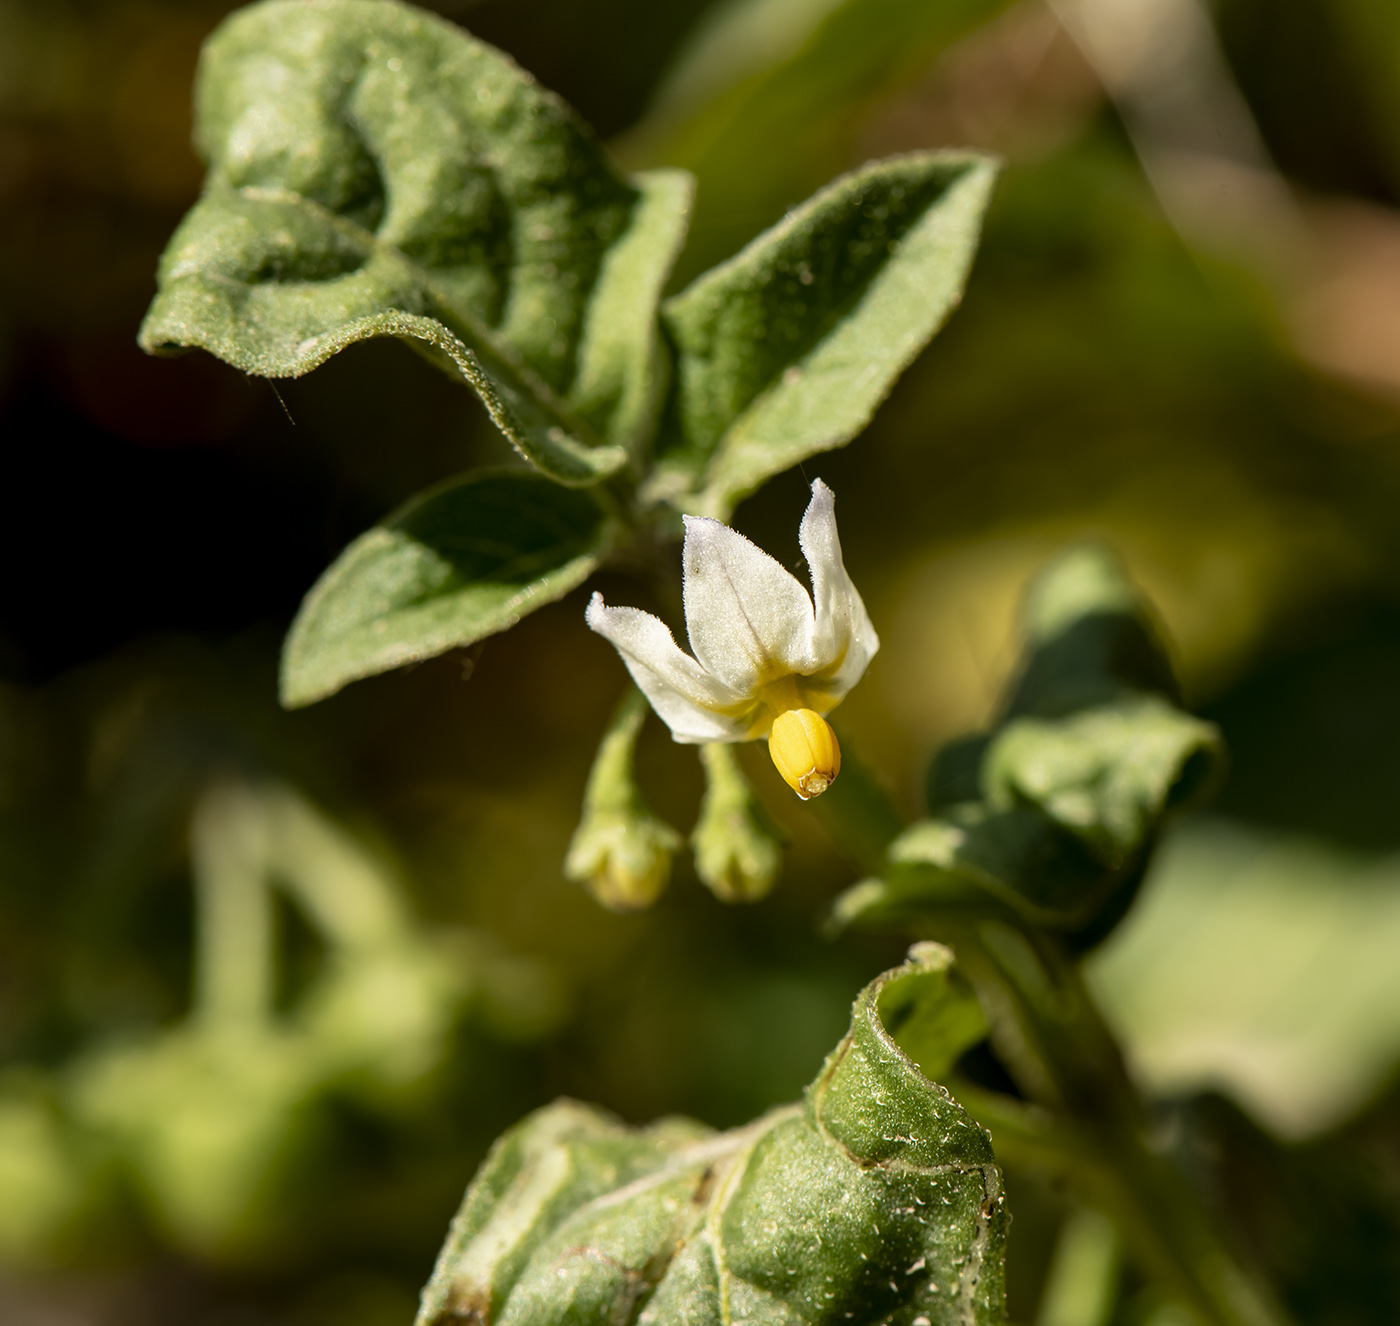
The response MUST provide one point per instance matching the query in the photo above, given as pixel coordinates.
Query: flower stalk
(737, 851)
(620, 852)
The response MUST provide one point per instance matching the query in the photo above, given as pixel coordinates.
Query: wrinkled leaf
(1105, 773)
(975, 858)
(788, 348)
(460, 562)
(875, 1200)
(375, 171)
(1051, 817)
(932, 1014)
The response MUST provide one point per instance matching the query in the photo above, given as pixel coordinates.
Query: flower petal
(748, 619)
(843, 639)
(694, 705)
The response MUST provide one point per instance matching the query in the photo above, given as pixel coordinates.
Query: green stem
(233, 909)
(610, 784)
(1083, 1283)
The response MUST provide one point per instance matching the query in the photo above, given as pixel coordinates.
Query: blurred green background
(270, 983)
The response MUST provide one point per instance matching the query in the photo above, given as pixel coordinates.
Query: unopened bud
(806, 751)
(737, 853)
(622, 857)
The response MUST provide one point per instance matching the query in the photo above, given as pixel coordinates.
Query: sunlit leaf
(875, 1200)
(375, 171)
(1106, 773)
(788, 348)
(458, 563)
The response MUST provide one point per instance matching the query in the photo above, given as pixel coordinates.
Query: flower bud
(622, 857)
(737, 852)
(805, 751)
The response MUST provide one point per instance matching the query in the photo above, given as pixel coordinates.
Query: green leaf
(375, 171)
(1051, 817)
(460, 562)
(1106, 773)
(875, 1200)
(980, 858)
(788, 348)
(932, 1014)
(623, 366)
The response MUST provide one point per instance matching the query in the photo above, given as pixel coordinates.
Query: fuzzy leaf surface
(875, 1200)
(460, 562)
(787, 349)
(375, 171)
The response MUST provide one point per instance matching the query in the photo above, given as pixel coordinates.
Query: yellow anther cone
(805, 751)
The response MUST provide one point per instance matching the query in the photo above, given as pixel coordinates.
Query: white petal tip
(697, 523)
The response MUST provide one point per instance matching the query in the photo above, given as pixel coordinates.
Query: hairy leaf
(1050, 818)
(1105, 773)
(460, 562)
(375, 171)
(876, 1200)
(788, 348)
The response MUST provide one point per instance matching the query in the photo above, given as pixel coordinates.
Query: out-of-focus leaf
(768, 99)
(214, 1120)
(974, 858)
(45, 1181)
(1051, 817)
(788, 348)
(375, 171)
(623, 366)
(876, 1199)
(1105, 773)
(206, 1124)
(460, 562)
(1261, 964)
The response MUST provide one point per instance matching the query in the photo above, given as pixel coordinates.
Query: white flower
(761, 647)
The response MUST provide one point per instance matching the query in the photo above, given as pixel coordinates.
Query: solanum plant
(375, 171)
